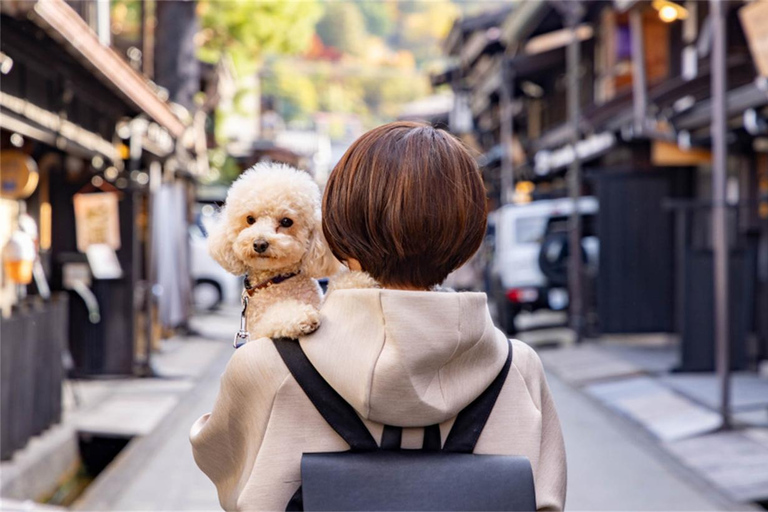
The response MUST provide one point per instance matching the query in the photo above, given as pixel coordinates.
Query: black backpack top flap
(370, 478)
(416, 480)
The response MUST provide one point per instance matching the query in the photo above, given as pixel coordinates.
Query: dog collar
(269, 282)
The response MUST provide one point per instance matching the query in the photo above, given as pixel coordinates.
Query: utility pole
(506, 132)
(719, 207)
(639, 97)
(573, 11)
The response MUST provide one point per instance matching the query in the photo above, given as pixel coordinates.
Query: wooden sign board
(754, 21)
(97, 220)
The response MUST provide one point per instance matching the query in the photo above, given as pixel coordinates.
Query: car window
(560, 225)
(529, 230)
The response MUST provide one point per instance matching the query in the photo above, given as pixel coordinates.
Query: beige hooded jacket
(402, 358)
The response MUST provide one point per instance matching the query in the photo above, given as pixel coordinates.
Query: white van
(212, 285)
(517, 282)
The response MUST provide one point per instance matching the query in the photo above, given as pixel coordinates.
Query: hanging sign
(97, 220)
(754, 21)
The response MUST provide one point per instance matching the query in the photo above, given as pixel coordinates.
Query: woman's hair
(408, 202)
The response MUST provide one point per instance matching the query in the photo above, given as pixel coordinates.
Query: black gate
(635, 290)
(31, 374)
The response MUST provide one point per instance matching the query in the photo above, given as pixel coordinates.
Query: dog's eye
(286, 222)
(249, 219)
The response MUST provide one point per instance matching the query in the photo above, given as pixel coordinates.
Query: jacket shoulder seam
(376, 363)
(522, 376)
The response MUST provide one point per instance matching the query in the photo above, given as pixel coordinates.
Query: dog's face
(270, 236)
(270, 223)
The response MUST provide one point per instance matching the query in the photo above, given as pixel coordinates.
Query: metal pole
(575, 273)
(144, 365)
(639, 98)
(719, 209)
(506, 133)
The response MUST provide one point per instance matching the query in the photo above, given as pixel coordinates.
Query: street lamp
(670, 11)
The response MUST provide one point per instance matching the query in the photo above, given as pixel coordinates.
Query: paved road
(611, 466)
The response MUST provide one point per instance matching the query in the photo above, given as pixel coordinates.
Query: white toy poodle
(270, 231)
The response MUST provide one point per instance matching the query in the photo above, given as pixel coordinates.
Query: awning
(63, 24)
(19, 115)
(591, 147)
(524, 19)
(464, 26)
(738, 100)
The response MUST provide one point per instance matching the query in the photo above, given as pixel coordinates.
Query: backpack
(386, 477)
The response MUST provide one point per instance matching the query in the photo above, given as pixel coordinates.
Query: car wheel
(207, 295)
(509, 321)
(506, 316)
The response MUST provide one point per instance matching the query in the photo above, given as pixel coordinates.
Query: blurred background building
(644, 141)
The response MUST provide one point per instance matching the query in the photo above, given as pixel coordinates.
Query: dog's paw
(309, 323)
(289, 319)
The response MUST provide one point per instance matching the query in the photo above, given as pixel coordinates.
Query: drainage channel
(96, 451)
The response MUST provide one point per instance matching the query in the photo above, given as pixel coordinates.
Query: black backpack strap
(333, 408)
(391, 437)
(432, 439)
(471, 420)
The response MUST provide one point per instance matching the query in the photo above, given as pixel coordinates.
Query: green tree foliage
(125, 19)
(373, 91)
(423, 26)
(249, 29)
(295, 90)
(343, 27)
(379, 17)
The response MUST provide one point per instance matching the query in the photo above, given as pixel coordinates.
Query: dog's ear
(319, 260)
(220, 239)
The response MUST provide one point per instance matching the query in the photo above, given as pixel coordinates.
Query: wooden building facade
(644, 144)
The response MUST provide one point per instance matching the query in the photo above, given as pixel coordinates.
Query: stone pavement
(614, 466)
(676, 411)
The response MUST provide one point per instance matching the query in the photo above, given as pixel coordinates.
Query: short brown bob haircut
(408, 202)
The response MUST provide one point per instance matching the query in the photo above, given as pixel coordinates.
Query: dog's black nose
(260, 246)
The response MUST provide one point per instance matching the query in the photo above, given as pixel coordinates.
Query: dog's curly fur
(256, 204)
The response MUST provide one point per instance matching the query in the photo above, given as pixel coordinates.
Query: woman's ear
(320, 261)
(220, 239)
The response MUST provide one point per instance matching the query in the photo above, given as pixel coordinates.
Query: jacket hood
(406, 358)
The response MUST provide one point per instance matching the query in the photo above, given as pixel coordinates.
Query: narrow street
(611, 464)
